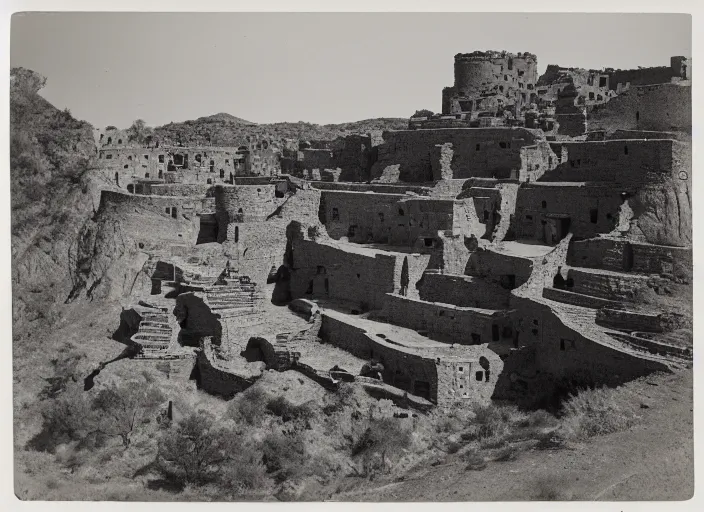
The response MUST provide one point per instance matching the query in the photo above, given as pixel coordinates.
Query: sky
(113, 68)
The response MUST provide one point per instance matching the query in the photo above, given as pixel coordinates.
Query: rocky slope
(51, 154)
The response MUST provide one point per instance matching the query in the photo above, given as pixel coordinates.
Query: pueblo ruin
(528, 238)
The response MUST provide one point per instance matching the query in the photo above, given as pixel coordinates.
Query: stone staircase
(236, 296)
(154, 333)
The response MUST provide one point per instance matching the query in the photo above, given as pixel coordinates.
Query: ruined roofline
(494, 54)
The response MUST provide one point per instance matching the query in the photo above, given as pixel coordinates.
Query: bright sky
(113, 68)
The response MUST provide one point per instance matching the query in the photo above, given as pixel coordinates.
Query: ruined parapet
(441, 161)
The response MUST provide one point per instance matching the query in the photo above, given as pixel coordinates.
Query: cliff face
(51, 196)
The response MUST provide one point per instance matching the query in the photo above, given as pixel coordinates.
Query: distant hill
(228, 130)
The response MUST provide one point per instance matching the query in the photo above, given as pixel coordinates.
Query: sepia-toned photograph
(351, 256)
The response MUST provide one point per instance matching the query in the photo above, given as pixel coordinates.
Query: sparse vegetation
(594, 412)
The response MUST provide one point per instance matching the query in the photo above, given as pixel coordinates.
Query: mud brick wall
(401, 368)
(316, 159)
(622, 255)
(576, 201)
(393, 219)
(480, 152)
(463, 291)
(665, 107)
(493, 265)
(606, 286)
(380, 188)
(614, 161)
(182, 189)
(361, 278)
(445, 322)
(629, 320)
(151, 221)
(585, 360)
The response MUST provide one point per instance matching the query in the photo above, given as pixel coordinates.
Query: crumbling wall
(586, 209)
(339, 272)
(446, 322)
(478, 152)
(638, 161)
(624, 256)
(463, 291)
(402, 369)
(665, 107)
(441, 161)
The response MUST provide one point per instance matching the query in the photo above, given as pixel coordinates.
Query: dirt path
(652, 461)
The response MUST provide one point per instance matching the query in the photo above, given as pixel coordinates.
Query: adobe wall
(606, 286)
(183, 189)
(396, 219)
(446, 322)
(149, 221)
(642, 76)
(493, 265)
(219, 381)
(665, 107)
(586, 361)
(624, 256)
(463, 291)
(574, 201)
(356, 275)
(380, 188)
(638, 161)
(401, 368)
(241, 204)
(477, 152)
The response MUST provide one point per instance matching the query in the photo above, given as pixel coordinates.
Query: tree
(423, 113)
(139, 131)
(196, 449)
(117, 411)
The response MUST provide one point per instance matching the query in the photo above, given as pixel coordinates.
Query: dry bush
(284, 454)
(594, 412)
(549, 489)
(506, 454)
(475, 461)
(247, 407)
(288, 411)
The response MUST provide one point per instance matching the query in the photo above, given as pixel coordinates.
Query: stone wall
(395, 219)
(401, 369)
(448, 323)
(477, 152)
(619, 161)
(345, 272)
(463, 291)
(665, 107)
(622, 255)
(548, 212)
(154, 221)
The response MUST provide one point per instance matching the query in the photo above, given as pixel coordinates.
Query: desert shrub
(247, 407)
(453, 447)
(475, 461)
(195, 451)
(506, 453)
(382, 438)
(284, 454)
(64, 419)
(594, 412)
(244, 470)
(287, 411)
(549, 489)
(490, 420)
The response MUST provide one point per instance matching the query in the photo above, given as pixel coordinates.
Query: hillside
(228, 130)
(51, 154)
